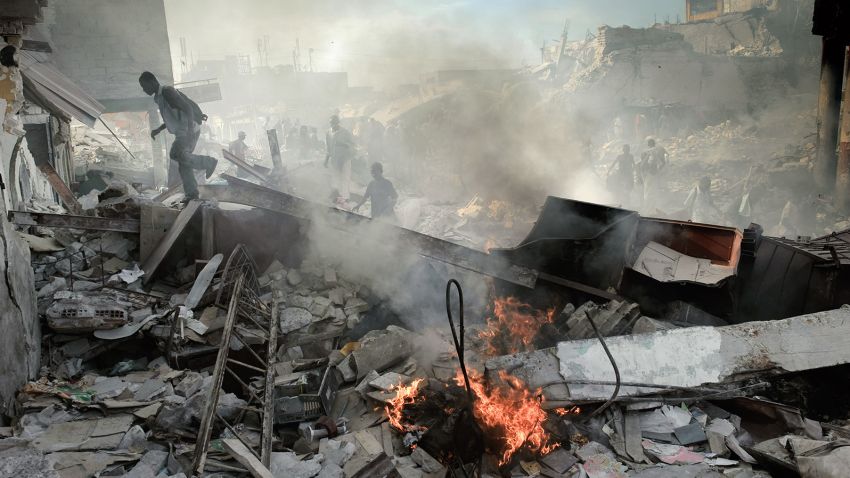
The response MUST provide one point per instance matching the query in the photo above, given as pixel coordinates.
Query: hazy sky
(384, 42)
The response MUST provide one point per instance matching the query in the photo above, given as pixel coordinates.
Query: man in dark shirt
(382, 193)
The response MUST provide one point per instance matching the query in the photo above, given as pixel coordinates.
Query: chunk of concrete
(428, 463)
(149, 466)
(379, 350)
(287, 465)
(293, 277)
(191, 383)
(694, 356)
(294, 318)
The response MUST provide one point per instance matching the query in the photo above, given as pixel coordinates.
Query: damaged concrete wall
(662, 69)
(735, 34)
(20, 342)
(103, 45)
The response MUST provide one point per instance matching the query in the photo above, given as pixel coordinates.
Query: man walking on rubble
(700, 204)
(183, 118)
(340, 144)
(652, 163)
(621, 176)
(382, 194)
(237, 147)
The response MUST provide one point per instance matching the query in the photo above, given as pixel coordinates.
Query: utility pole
(563, 44)
(832, 171)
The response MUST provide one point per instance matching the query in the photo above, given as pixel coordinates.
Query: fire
(514, 326)
(512, 415)
(405, 395)
(567, 411)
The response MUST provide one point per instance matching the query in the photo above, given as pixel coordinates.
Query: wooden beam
(274, 147)
(207, 233)
(243, 455)
(65, 194)
(90, 223)
(153, 262)
(241, 164)
(207, 419)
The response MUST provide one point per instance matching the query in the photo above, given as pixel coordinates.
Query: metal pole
(842, 180)
(829, 111)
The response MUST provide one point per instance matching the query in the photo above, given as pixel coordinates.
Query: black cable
(458, 343)
(613, 364)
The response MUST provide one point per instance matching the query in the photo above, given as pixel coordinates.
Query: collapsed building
(256, 331)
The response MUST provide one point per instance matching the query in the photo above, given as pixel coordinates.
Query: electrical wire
(118, 139)
(607, 404)
(458, 342)
(459, 348)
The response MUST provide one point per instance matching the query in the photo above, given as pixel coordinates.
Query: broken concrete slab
(84, 464)
(17, 458)
(150, 389)
(150, 465)
(94, 434)
(389, 381)
(85, 314)
(379, 350)
(694, 356)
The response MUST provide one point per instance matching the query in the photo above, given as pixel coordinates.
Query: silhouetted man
(341, 149)
(238, 147)
(621, 176)
(653, 161)
(182, 117)
(382, 194)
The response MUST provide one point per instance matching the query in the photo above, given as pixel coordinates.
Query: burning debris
(284, 373)
(262, 326)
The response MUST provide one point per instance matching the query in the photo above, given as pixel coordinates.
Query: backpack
(199, 115)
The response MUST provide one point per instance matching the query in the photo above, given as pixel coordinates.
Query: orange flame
(405, 395)
(511, 414)
(567, 411)
(513, 327)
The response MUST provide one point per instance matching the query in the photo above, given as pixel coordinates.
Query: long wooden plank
(274, 147)
(241, 164)
(204, 431)
(269, 396)
(244, 456)
(90, 223)
(65, 194)
(155, 259)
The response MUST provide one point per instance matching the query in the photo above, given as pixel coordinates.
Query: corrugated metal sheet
(60, 93)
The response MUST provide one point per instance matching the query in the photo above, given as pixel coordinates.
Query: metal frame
(239, 287)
